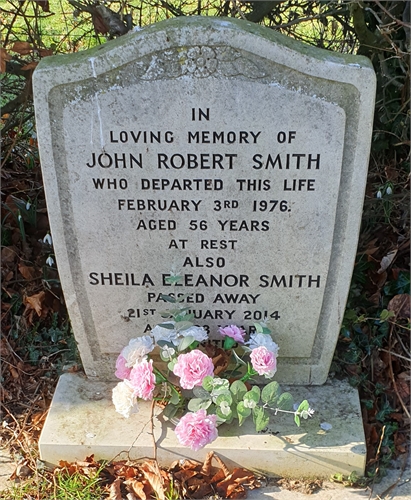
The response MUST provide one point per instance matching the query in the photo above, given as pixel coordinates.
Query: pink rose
(192, 368)
(234, 332)
(142, 379)
(195, 430)
(121, 368)
(264, 361)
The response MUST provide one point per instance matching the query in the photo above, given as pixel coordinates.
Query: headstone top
(218, 148)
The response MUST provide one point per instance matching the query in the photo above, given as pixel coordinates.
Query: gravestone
(218, 150)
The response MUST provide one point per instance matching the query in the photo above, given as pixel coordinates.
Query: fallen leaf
(231, 487)
(156, 483)
(219, 357)
(28, 273)
(136, 487)
(8, 254)
(203, 491)
(400, 305)
(4, 57)
(45, 52)
(206, 468)
(22, 48)
(35, 302)
(7, 278)
(38, 418)
(391, 173)
(115, 490)
(44, 4)
(387, 260)
(30, 65)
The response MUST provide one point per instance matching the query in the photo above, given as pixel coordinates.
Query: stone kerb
(193, 81)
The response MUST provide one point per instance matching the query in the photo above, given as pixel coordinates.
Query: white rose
(137, 349)
(197, 332)
(168, 335)
(262, 339)
(124, 399)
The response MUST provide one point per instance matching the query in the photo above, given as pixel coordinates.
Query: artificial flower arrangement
(218, 379)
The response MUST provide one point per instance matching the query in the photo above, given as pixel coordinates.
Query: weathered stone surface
(218, 149)
(82, 421)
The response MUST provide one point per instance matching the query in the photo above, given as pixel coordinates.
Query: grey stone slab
(219, 149)
(82, 421)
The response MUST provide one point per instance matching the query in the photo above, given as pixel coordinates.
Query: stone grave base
(82, 421)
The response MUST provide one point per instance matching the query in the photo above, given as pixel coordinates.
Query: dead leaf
(8, 254)
(44, 4)
(136, 487)
(35, 302)
(7, 278)
(203, 491)
(219, 357)
(387, 260)
(45, 52)
(206, 468)
(4, 57)
(38, 418)
(185, 474)
(30, 65)
(22, 48)
(391, 173)
(115, 490)
(28, 273)
(400, 305)
(156, 483)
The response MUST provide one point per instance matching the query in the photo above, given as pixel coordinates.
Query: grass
(60, 486)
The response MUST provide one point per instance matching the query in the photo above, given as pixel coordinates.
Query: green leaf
(200, 392)
(183, 297)
(185, 343)
(165, 314)
(168, 298)
(297, 420)
(270, 393)
(258, 328)
(173, 279)
(260, 418)
(238, 389)
(163, 343)
(243, 412)
(169, 411)
(208, 383)
(172, 364)
(175, 398)
(224, 398)
(183, 325)
(266, 331)
(252, 398)
(285, 402)
(168, 326)
(224, 416)
(304, 406)
(254, 393)
(220, 386)
(196, 404)
(385, 314)
(184, 317)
